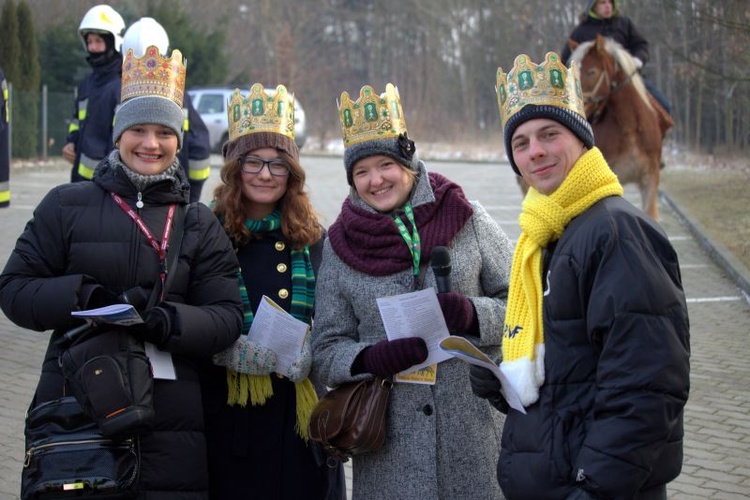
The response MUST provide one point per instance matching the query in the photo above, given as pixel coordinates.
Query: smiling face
(262, 191)
(545, 151)
(382, 182)
(148, 149)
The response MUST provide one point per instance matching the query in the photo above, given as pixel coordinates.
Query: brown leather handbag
(351, 419)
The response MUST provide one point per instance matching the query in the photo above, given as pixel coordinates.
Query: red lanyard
(161, 249)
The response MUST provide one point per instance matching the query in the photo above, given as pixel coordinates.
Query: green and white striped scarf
(258, 387)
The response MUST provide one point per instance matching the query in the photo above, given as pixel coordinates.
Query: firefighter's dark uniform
(91, 127)
(195, 154)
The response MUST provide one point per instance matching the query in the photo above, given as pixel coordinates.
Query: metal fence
(43, 118)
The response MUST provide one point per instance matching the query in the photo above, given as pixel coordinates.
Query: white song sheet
(281, 332)
(416, 314)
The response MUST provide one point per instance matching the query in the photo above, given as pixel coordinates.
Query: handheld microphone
(440, 262)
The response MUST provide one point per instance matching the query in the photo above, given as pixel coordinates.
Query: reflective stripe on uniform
(5, 100)
(82, 106)
(4, 192)
(86, 167)
(198, 170)
(73, 127)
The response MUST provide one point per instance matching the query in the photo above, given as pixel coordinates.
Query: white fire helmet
(103, 19)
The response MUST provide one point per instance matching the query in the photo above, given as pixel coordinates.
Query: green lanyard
(412, 240)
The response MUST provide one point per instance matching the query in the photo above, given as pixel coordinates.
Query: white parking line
(714, 299)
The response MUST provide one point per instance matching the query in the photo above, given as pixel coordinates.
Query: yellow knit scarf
(543, 220)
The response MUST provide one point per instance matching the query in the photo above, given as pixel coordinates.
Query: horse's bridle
(600, 101)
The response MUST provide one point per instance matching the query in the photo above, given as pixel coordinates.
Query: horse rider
(603, 17)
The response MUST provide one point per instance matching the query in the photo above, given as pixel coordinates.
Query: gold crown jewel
(153, 75)
(261, 111)
(550, 83)
(372, 116)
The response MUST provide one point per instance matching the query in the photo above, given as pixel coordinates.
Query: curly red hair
(299, 221)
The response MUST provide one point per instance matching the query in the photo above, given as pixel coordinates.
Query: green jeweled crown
(372, 116)
(550, 83)
(261, 111)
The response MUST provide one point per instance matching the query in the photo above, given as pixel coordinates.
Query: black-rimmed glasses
(254, 165)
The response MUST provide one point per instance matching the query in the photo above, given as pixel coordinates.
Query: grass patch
(718, 198)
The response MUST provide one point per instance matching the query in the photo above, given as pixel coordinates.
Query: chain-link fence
(39, 122)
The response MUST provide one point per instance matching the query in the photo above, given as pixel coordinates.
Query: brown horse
(628, 123)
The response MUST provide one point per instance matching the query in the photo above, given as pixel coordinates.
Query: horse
(628, 122)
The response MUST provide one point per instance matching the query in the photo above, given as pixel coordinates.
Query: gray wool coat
(442, 442)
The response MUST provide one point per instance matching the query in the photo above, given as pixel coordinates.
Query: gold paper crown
(260, 111)
(372, 116)
(153, 75)
(550, 83)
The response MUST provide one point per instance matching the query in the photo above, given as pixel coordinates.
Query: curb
(736, 270)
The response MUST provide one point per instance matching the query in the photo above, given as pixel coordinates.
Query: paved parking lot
(717, 446)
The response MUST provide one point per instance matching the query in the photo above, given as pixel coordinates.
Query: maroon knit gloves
(389, 357)
(459, 312)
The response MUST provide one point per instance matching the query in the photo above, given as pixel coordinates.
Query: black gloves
(389, 357)
(486, 385)
(94, 296)
(459, 312)
(156, 326)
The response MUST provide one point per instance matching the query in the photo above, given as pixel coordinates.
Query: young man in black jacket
(596, 335)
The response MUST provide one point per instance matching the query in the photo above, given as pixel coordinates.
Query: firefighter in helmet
(90, 131)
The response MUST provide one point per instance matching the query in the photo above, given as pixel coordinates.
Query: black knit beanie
(570, 119)
(399, 148)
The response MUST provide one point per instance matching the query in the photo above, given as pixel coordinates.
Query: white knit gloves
(301, 366)
(245, 356)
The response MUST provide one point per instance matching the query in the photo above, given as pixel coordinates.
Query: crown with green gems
(153, 75)
(550, 83)
(261, 111)
(372, 116)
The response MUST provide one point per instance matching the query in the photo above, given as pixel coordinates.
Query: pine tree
(10, 47)
(206, 64)
(26, 103)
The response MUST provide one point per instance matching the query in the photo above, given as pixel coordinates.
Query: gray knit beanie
(149, 110)
(570, 119)
(399, 148)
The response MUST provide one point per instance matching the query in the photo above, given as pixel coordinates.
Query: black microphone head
(440, 261)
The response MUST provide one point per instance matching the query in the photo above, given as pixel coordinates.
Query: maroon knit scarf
(370, 242)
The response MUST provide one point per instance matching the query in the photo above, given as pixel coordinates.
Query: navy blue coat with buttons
(258, 444)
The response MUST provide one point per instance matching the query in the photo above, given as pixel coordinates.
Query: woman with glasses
(257, 419)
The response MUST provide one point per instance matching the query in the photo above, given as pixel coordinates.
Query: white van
(211, 104)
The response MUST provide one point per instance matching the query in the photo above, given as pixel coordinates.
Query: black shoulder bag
(87, 444)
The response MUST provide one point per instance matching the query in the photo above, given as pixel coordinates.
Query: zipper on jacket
(41, 447)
